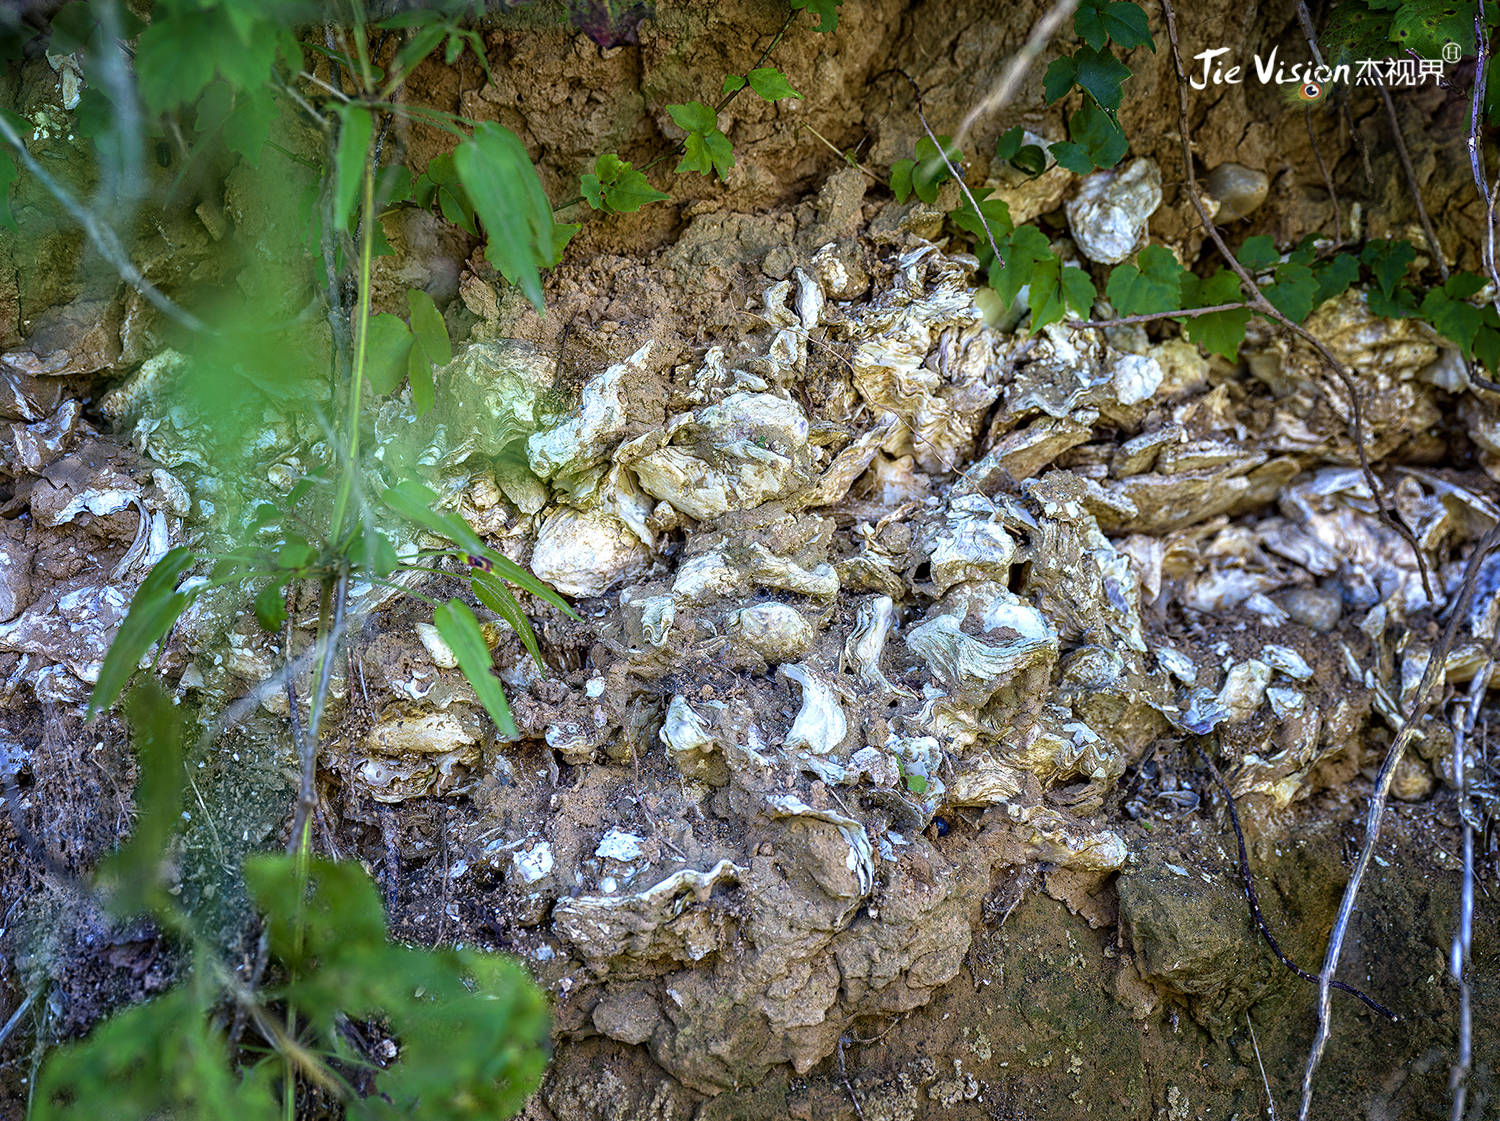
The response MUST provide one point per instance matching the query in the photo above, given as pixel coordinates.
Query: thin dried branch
(1463, 936)
(1005, 87)
(1333, 196)
(1247, 881)
(1152, 317)
(1264, 306)
(1412, 185)
(1420, 705)
(1487, 191)
(953, 171)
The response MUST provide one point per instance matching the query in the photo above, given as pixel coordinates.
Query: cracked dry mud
(866, 781)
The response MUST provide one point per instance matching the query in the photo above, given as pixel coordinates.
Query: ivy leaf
(706, 149)
(1387, 262)
(706, 153)
(1335, 277)
(460, 630)
(1450, 313)
(901, 179)
(1025, 246)
(693, 116)
(171, 64)
(153, 610)
(1055, 289)
(1258, 253)
(270, 607)
(1100, 74)
(1295, 291)
(1222, 331)
(1153, 284)
(827, 12)
(429, 328)
(1098, 21)
(1426, 26)
(617, 187)
(771, 84)
(1058, 80)
(1401, 303)
(732, 82)
(1097, 141)
(1010, 143)
(993, 213)
(502, 183)
(248, 127)
(930, 170)
(386, 344)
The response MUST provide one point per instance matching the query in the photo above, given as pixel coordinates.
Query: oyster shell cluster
(885, 600)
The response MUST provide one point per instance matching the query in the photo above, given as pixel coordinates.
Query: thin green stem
(361, 350)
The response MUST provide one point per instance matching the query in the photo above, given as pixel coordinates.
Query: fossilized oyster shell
(1108, 216)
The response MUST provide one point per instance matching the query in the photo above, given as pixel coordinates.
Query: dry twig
(1009, 82)
(1421, 703)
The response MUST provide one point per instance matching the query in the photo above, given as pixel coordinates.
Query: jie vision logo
(1312, 78)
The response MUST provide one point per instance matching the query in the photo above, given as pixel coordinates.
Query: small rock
(1315, 608)
(1109, 214)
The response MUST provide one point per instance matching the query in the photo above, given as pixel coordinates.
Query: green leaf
(460, 630)
(1025, 246)
(270, 607)
(156, 606)
(355, 134)
(8, 178)
(1097, 141)
(1222, 331)
(1258, 253)
(387, 344)
(132, 877)
(248, 127)
(375, 552)
(1152, 284)
(157, 1059)
(901, 179)
(1098, 21)
(497, 597)
(414, 501)
(931, 170)
(993, 213)
(617, 187)
(334, 913)
(419, 377)
(428, 327)
(503, 186)
(1059, 78)
(917, 784)
(1295, 292)
(827, 12)
(1055, 290)
(1335, 276)
(171, 63)
(419, 47)
(1400, 304)
(694, 116)
(706, 153)
(771, 84)
(1451, 315)
(1010, 143)
(732, 82)
(1387, 262)
(1427, 26)
(1100, 74)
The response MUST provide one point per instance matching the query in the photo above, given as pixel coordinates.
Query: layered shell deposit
(881, 602)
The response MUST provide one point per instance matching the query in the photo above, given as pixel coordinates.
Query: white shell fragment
(1109, 214)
